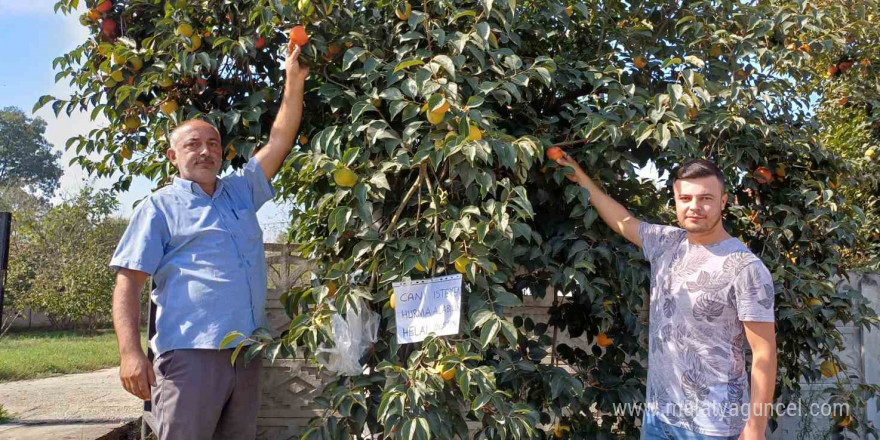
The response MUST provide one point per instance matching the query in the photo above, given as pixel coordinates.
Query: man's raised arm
(286, 124)
(613, 213)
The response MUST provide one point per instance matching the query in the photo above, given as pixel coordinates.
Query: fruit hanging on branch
(763, 175)
(298, 36)
(555, 153)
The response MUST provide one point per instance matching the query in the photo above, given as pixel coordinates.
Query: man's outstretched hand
(579, 175)
(296, 73)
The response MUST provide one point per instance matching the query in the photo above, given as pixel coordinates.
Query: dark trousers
(199, 394)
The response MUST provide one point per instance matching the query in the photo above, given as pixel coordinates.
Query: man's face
(699, 203)
(196, 152)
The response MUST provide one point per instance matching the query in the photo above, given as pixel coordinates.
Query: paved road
(73, 406)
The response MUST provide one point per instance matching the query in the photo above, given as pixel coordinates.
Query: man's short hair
(172, 137)
(699, 168)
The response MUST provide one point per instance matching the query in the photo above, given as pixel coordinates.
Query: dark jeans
(654, 429)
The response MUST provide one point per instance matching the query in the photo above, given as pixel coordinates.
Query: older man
(200, 241)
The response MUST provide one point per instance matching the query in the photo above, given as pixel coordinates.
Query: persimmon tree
(847, 121)
(422, 153)
(848, 115)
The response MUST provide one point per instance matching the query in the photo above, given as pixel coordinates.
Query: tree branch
(571, 143)
(569, 97)
(425, 22)
(409, 194)
(434, 200)
(553, 361)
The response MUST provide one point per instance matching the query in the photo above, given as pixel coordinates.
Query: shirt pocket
(246, 225)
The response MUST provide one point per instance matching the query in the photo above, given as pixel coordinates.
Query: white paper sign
(427, 306)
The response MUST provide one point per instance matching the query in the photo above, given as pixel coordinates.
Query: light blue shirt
(206, 257)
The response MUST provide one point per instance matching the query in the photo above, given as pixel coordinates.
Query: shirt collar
(194, 188)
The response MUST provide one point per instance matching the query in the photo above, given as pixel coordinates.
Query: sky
(31, 36)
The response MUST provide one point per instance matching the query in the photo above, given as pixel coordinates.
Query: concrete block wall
(862, 358)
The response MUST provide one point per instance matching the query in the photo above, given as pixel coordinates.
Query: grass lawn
(33, 354)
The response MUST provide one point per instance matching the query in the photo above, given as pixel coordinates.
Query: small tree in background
(60, 260)
(26, 209)
(26, 158)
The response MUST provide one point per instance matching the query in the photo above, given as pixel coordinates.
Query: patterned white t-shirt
(699, 297)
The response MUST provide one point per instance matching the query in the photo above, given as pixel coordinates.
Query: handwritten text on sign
(427, 306)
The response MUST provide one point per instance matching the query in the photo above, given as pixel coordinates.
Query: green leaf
(262, 334)
(474, 102)
(219, 41)
(236, 351)
(358, 109)
(506, 299)
(273, 350)
(544, 75)
(361, 249)
(467, 13)
(41, 102)
(488, 5)
(424, 430)
(446, 63)
(675, 91)
(509, 331)
(391, 94)
(56, 107)
(483, 30)
(408, 63)
(231, 120)
(204, 59)
(643, 131)
(409, 87)
(397, 107)
(435, 101)
(229, 338)
(480, 401)
(350, 155)
(695, 61)
(810, 197)
(670, 62)
(482, 230)
(590, 217)
(489, 331)
(378, 180)
(351, 55)
(464, 382)
(253, 351)
(481, 317)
